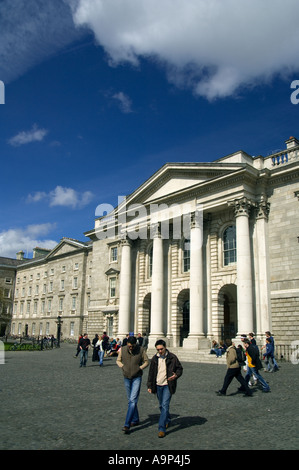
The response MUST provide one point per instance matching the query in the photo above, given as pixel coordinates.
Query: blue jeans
(83, 357)
(133, 389)
(164, 397)
(253, 370)
(101, 357)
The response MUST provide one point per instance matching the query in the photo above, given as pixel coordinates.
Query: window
(62, 284)
(75, 283)
(61, 304)
(112, 287)
(113, 254)
(72, 328)
(229, 246)
(186, 256)
(74, 303)
(49, 306)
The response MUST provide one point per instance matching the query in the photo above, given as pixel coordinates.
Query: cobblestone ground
(49, 403)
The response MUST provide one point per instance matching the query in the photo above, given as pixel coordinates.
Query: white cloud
(211, 46)
(124, 102)
(25, 239)
(61, 196)
(27, 137)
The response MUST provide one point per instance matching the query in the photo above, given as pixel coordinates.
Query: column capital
(196, 220)
(263, 208)
(242, 206)
(156, 230)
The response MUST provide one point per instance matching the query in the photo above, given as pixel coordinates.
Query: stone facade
(199, 251)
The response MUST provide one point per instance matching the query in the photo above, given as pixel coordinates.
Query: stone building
(234, 271)
(8, 268)
(198, 251)
(54, 283)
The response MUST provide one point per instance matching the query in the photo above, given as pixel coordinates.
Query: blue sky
(99, 94)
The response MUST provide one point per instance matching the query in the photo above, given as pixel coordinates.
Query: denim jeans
(133, 389)
(164, 397)
(83, 357)
(253, 370)
(101, 357)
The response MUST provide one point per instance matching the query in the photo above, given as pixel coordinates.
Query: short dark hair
(160, 342)
(132, 340)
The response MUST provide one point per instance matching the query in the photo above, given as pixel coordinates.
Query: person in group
(84, 346)
(221, 349)
(105, 338)
(270, 336)
(132, 359)
(268, 356)
(95, 355)
(100, 350)
(78, 347)
(139, 339)
(145, 341)
(233, 371)
(165, 369)
(215, 346)
(251, 339)
(254, 365)
(253, 380)
(125, 340)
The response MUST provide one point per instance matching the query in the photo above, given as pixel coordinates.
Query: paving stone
(49, 403)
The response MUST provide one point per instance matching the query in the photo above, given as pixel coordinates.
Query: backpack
(241, 358)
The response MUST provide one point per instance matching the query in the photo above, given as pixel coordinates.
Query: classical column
(196, 332)
(244, 270)
(263, 275)
(125, 289)
(157, 299)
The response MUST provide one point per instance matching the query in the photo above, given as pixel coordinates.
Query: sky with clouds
(99, 94)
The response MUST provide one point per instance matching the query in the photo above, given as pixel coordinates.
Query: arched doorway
(227, 299)
(183, 314)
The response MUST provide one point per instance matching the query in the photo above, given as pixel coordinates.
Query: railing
(284, 156)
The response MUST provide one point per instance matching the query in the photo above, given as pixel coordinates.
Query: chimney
(20, 255)
(292, 142)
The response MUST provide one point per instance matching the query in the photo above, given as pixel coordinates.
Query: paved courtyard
(48, 402)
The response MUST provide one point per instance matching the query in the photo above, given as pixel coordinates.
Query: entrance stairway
(201, 356)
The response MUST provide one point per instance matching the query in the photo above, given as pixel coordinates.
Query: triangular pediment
(66, 246)
(175, 178)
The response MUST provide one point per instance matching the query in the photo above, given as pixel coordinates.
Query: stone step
(200, 356)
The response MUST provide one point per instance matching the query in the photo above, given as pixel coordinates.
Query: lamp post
(59, 323)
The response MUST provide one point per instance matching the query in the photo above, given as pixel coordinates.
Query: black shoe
(135, 424)
(220, 394)
(126, 430)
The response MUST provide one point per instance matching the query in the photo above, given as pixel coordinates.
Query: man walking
(132, 359)
(164, 371)
(254, 365)
(233, 371)
(84, 344)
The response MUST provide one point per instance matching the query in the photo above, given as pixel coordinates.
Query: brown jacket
(231, 358)
(132, 363)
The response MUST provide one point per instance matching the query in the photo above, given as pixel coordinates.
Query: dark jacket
(173, 366)
(254, 353)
